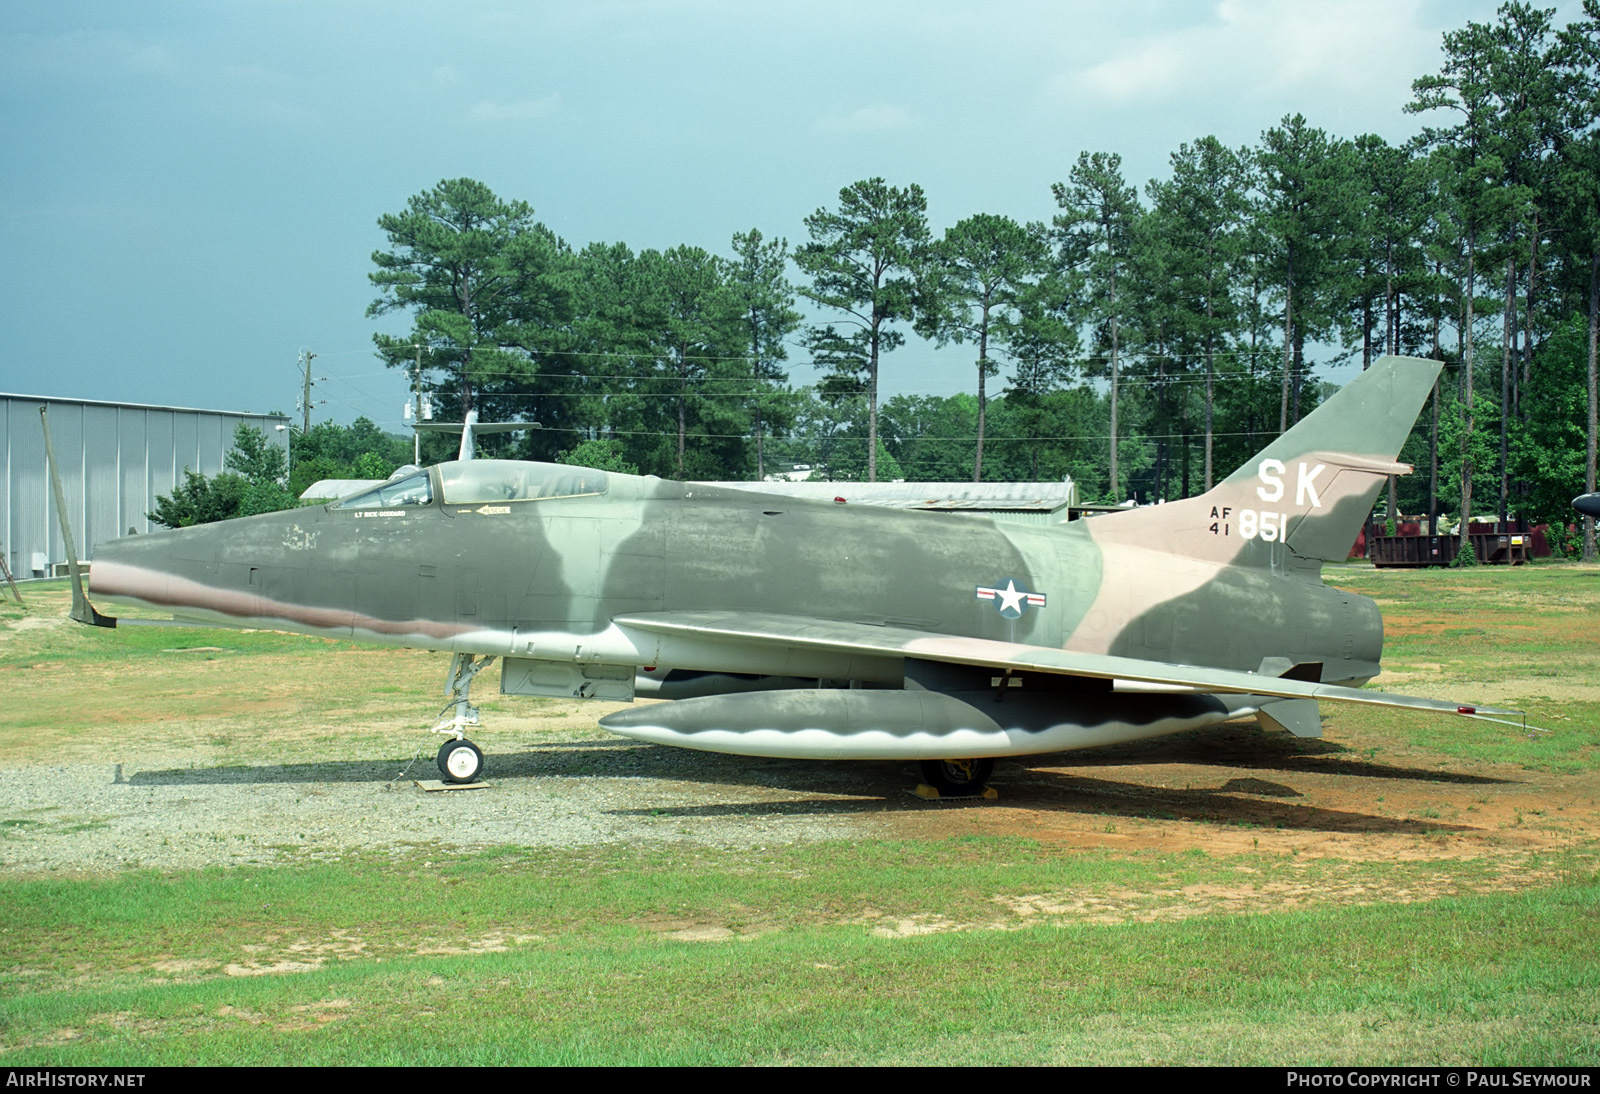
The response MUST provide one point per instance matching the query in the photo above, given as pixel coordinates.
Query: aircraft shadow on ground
(1247, 747)
(606, 758)
(1246, 802)
(1036, 782)
(332, 771)
(1072, 782)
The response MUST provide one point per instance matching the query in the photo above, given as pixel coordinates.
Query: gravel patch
(162, 811)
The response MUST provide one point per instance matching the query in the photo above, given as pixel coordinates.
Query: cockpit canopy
(471, 482)
(468, 481)
(413, 489)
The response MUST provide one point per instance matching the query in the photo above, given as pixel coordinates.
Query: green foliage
(370, 465)
(313, 470)
(1191, 248)
(1096, 230)
(359, 450)
(933, 439)
(1209, 305)
(831, 435)
(1046, 436)
(348, 443)
(199, 500)
(487, 287)
(1548, 446)
(676, 355)
(699, 334)
(255, 458)
(869, 261)
(1563, 540)
(756, 280)
(1466, 554)
(1457, 446)
(1305, 215)
(265, 497)
(251, 485)
(980, 272)
(849, 464)
(603, 454)
(1385, 262)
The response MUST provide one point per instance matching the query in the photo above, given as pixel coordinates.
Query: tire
(460, 761)
(954, 778)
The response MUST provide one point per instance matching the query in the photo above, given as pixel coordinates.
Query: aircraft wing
(864, 638)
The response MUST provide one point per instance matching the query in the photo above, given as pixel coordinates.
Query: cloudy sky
(191, 187)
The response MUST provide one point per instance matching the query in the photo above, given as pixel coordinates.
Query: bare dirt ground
(1240, 789)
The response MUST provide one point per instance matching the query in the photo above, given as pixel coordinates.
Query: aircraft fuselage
(811, 629)
(544, 579)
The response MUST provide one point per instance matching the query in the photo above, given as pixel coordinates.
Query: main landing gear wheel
(955, 778)
(460, 761)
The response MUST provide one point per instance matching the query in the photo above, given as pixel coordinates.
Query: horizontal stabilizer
(477, 427)
(469, 430)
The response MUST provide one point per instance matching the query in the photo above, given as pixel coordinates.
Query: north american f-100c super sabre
(792, 628)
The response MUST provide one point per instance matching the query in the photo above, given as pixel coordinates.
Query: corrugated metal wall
(125, 454)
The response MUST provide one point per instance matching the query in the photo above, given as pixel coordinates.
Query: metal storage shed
(126, 453)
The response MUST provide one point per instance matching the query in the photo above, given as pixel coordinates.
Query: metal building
(125, 453)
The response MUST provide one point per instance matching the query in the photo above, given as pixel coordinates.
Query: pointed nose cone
(209, 571)
(154, 569)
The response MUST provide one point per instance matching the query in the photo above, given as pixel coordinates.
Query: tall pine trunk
(1594, 419)
(983, 367)
(1466, 388)
(1505, 385)
(1116, 495)
(1288, 344)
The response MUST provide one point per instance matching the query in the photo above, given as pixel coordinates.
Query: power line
(1270, 352)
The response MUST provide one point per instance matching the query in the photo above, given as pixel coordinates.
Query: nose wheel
(460, 761)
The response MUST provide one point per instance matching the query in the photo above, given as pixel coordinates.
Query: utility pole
(416, 388)
(306, 357)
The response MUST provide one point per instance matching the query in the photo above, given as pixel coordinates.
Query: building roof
(275, 416)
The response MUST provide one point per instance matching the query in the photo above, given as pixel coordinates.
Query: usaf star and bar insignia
(1010, 599)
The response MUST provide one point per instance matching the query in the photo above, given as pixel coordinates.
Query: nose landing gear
(460, 761)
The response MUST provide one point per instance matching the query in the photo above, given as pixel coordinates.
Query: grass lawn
(953, 948)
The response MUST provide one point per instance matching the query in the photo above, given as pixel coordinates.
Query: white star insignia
(1011, 597)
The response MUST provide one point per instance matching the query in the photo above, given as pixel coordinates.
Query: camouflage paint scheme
(803, 629)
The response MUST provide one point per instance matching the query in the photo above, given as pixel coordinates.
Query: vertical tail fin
(1310, 490)
(471, 429)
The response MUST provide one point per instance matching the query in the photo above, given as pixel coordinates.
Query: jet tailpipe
(834, 724)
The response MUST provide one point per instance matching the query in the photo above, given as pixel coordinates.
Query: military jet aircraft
(795, 628)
